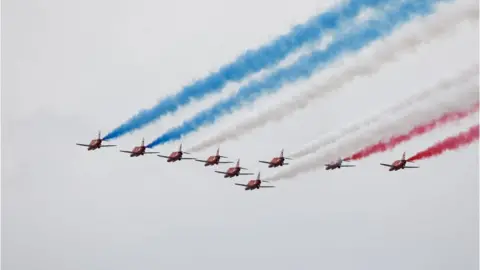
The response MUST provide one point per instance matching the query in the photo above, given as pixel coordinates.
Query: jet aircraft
(254, 184)
(399, 164)
(176, 156)
(214, 160)
(138, 150)
(234, 171)
(337, 164)
(96, 143)
(276, 161)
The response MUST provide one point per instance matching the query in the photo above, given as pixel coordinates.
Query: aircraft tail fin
(238, 165)
(281, 155)
(143, 142)
(218, 153)
(99, 134)
(180, 150)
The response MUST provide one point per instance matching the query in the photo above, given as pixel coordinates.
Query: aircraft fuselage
(175, 156)
(138, 151)
(231, 172)
(334, 165)
(94, 144)
(253, 184)
(212, 160)
(276, 161)
(398, 165)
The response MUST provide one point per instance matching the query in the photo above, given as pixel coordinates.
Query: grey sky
(70, 68)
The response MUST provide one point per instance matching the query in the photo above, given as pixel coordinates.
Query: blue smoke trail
(304, 67)
(250, 62)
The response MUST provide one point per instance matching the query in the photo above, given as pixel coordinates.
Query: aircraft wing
(387, 165)
(125, 151)
(81, 144)
(347, 166)
(243, 185)
(225, 162)
(151, 152)
(187, 158)
(246, 174)
(220, 172)
(199, 160)
(266, 186)
(266, 162)
(163, 156)
(107, 145)
(285, 163)
(411, 167)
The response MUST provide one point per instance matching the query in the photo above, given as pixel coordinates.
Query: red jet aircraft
(234, 171)
(138, 150)
(254, 184)
(214, 160)
(336, 165)
(176, 156)
(276, 161)
(96, 143)
(399, 164)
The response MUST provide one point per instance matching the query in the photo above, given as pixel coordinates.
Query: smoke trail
(435, 27)
(303, 68)
(421, 96)
(351, 142)
(416, 131)
(250, 62)
(450, 143)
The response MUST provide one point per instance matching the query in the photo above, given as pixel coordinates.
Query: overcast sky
(70, 68)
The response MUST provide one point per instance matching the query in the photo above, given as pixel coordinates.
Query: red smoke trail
(416, 131)
(450, 143)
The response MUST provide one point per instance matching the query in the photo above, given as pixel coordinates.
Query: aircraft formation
(235, 171)
(348, 40)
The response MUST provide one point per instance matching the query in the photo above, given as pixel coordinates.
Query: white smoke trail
(434, 27)
(458, 98)
(332, 137)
